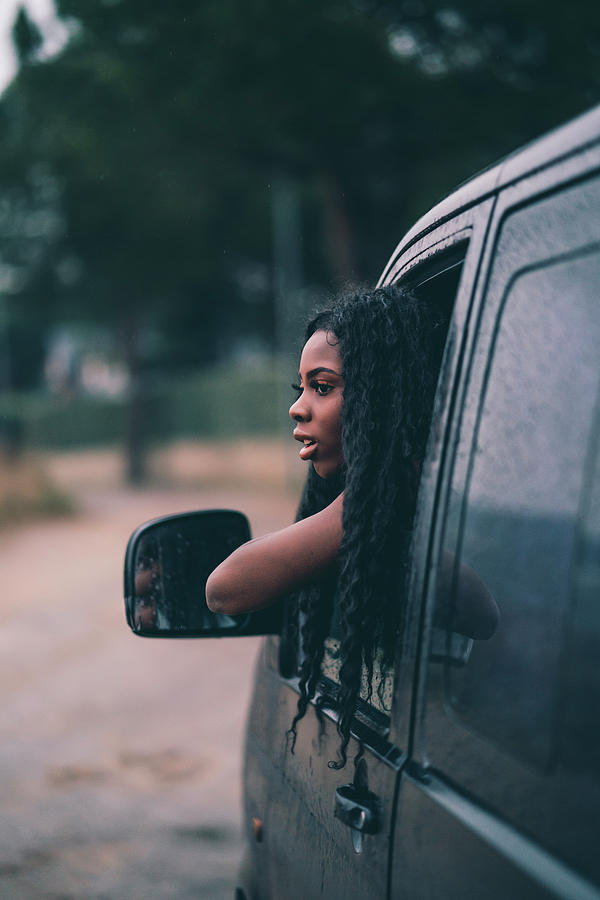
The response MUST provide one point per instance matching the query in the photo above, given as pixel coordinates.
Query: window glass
(580, 734)
(519, 526)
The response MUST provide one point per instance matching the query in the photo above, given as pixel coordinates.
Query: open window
(436, 280)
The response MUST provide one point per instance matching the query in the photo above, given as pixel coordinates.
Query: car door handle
(359, 809)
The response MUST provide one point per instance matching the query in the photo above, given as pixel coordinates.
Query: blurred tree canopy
(138, 164)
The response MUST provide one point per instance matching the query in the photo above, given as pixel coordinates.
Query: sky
(42, 12)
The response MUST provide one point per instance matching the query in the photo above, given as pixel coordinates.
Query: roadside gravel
(119, 757)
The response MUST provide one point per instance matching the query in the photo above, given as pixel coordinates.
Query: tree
(164, 127)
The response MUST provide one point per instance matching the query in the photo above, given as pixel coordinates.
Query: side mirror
(167, 563)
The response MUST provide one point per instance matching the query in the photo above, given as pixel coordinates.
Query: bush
(222, 402)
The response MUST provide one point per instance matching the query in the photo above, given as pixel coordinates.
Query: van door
(308, 847)
(501, 794)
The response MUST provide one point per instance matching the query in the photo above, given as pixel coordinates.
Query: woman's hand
(261, 571)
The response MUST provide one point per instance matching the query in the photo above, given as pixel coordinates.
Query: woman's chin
(326, 471)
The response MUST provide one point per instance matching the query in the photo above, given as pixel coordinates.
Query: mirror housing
(167, 563)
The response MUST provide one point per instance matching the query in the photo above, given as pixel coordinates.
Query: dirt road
(119, 757)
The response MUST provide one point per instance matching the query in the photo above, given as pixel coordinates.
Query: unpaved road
(119, 756)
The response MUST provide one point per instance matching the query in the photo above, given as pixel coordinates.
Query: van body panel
(478, 855)
(456, 818)
(305, 851)
(549, 219)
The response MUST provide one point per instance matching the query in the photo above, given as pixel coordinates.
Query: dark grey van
(481, 769)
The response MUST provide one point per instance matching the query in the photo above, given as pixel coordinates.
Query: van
(480, 776)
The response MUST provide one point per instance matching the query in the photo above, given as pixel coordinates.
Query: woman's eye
(297, 388)
(321, 387)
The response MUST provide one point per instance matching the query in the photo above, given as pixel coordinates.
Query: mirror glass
(166, 567)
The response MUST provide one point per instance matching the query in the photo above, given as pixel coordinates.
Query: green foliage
(164, 126)
(137, 166)
(225, 402)
(222, 402)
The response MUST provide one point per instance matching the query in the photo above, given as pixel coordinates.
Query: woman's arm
(260, 572)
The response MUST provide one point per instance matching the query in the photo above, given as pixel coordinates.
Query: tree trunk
(340, 237)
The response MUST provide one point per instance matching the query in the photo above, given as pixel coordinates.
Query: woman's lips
(310, 444)
(308, 449)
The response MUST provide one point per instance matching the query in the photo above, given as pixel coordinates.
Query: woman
(367, 378)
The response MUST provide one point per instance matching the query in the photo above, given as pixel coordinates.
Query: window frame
(469, 228)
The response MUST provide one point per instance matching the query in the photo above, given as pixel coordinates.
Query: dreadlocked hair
(390, 345)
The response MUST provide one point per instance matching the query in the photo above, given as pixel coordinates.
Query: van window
(437, 282)
(520, 521)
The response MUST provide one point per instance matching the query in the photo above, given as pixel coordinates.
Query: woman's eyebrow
(316, 371)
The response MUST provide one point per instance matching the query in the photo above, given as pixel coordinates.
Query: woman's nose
(298, 410)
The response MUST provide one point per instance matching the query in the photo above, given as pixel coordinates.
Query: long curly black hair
(390, 344)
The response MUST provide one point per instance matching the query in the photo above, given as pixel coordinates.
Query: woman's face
(318, 409)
